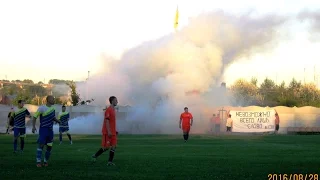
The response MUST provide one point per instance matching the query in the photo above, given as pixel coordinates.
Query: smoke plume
(160, 77)
(60, 90)
(313, 17)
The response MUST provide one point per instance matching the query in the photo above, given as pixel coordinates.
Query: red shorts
(107, 141)
(185, 128)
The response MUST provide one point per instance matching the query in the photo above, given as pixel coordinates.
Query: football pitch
(167, 157)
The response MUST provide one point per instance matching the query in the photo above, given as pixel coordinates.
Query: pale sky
(42, 39)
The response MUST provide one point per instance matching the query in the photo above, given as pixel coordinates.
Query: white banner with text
(253, 121)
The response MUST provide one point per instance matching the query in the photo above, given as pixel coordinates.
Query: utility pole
(221, 112)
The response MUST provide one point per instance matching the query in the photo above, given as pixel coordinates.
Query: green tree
(254, 81)
(288, 96)
(34, 90)
(293, 93)
(11, 89)
(75, 97)
(309, 95)
(16, 81)
(282, 94)
(59, 81)
(268, 89)
(28, 81)
(282, 89)
(22, 96)
(244, 93)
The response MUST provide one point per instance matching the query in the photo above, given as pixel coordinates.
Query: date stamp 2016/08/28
(293, 176)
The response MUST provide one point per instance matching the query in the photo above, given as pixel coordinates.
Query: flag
(176, 20)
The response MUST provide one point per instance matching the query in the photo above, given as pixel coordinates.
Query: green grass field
(167, 157)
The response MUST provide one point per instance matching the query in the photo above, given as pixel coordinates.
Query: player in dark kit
(64, 125)
(10, 122)
(47, 116)
(19, 128)
(109, 133)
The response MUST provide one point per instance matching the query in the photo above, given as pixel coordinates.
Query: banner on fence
(253, 121)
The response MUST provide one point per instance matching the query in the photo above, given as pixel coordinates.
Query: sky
(64, 39)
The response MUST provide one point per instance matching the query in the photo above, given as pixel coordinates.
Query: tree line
(242, 93)
(29, 81)
(36, 93)
(268, 93)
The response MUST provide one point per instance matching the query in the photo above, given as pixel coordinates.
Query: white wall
(289, 117)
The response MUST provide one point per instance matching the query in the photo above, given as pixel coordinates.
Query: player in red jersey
(186, 119)
(109, 133)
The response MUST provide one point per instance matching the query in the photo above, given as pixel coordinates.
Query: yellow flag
(176, 20)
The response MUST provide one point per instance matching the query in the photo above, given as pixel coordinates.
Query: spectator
(229, 123)
(277, 122)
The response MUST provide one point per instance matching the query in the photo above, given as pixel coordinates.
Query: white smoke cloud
(313, 17)
(156, 76)
(60, 89)
(80, 124)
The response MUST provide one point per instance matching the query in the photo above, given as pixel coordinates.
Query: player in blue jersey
(64, 125)
(47, 116)
(19, 115)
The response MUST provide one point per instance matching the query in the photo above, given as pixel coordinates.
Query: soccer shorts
(45, 136)
(107, 142)
(185, 128)
(277, 127)
(63, 129)
(217, 127)
(19, 132)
